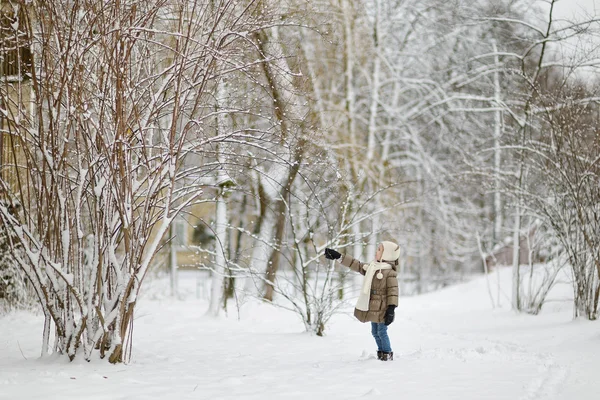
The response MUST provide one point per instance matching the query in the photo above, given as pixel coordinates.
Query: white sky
(577, 8)
(581, 51)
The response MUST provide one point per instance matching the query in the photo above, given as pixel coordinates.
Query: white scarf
(365, 293)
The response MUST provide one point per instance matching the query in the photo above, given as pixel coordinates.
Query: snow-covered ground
(447, 345)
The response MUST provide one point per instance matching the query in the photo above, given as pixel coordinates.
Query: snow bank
(448, 345)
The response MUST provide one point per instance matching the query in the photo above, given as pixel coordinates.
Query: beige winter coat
(384, 291)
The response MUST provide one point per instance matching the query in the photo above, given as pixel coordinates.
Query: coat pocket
(375, 304)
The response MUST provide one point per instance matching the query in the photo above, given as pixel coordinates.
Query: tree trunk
(375, 85)
(497, 236)
(281, 220)
(516, 279)
(220, 267)
(223, 183)
(173, 260)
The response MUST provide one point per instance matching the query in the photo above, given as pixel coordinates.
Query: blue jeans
(379, 332)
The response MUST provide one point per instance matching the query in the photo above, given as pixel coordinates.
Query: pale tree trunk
(223, 182)
(498, 124)
(498, 127)
(349, 70)
(373, 237)
(420, 247)
(350, 101)
(372, 249)
(375, 79)
(308, 50)
(165, 123)
(371, 143)
(264, 226)
(485, 269)
(357, 248)
(173, 261)
(516, 279)
(46, 334)
(220, 267)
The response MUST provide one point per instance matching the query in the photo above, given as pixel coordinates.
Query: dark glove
(389, 315)
(331, 254)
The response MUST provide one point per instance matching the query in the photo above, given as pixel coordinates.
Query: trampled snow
(447, 345)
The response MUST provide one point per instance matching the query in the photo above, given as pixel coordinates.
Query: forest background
(464, 130)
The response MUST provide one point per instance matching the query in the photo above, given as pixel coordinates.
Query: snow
(100, 185)
(447, 345)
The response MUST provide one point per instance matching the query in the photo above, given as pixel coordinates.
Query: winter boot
(387, 356)
(379, 354)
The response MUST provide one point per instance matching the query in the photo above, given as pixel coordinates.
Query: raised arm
(345, 260)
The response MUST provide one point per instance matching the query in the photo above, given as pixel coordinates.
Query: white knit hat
(391, 251)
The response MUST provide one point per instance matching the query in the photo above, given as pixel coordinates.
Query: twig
(18, 344)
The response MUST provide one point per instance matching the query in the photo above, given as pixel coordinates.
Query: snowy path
(443, 350)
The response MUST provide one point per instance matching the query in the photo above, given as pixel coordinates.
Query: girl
(379, 294)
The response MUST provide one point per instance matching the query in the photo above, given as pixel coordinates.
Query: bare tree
(568, 159)
(118, 98)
